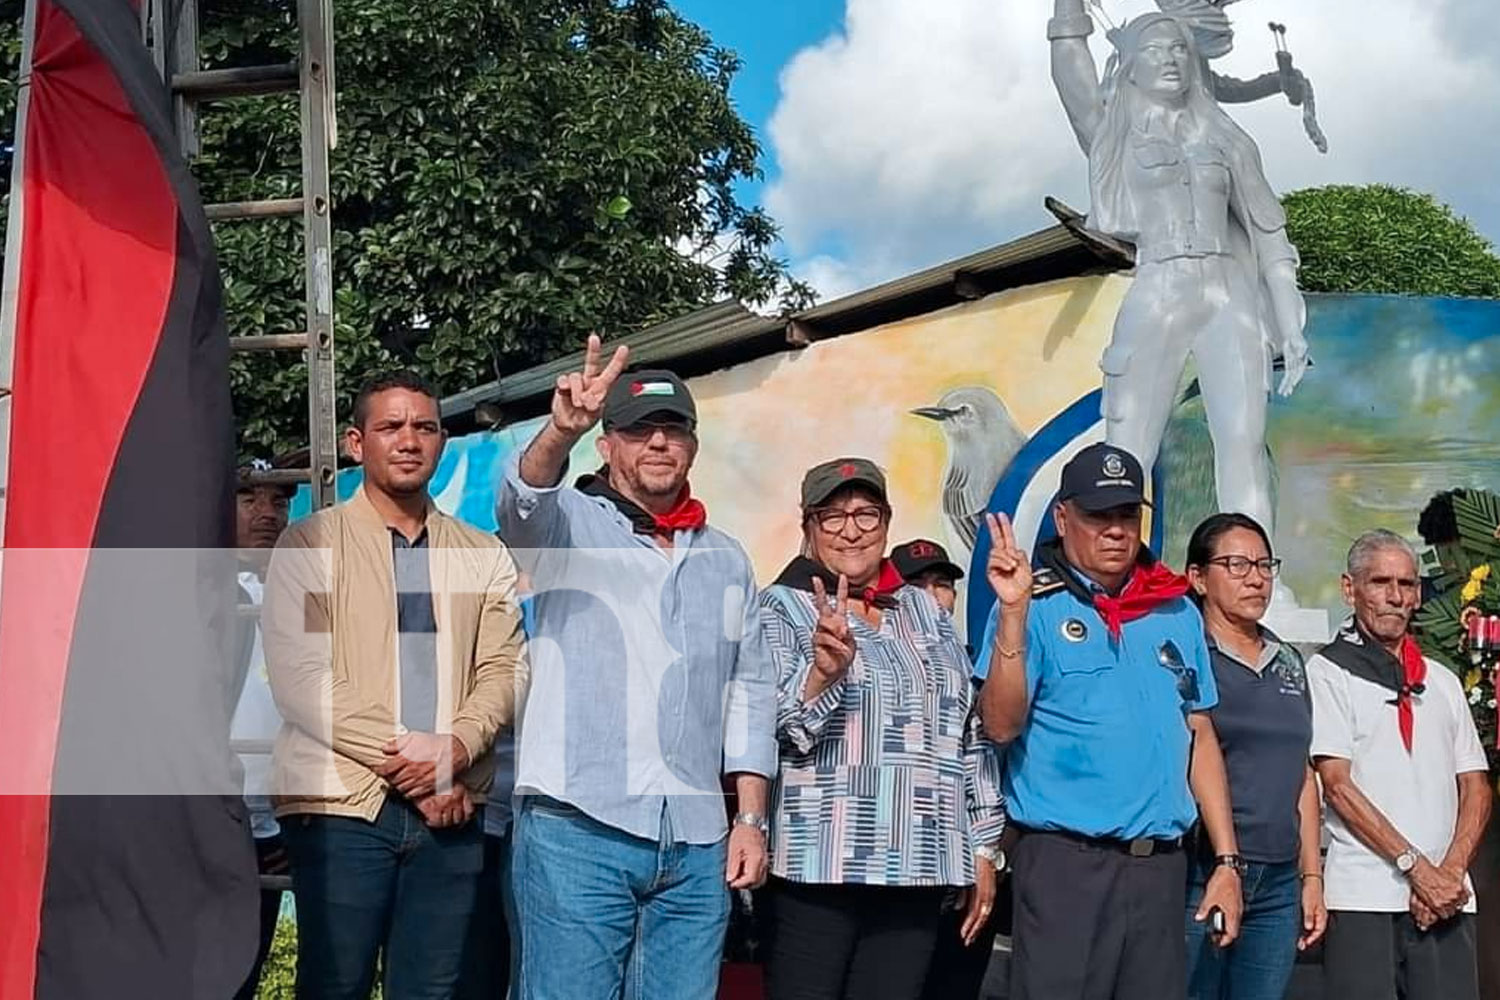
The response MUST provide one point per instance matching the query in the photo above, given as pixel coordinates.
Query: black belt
(1139, 847)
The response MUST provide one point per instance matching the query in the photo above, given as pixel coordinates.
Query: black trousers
(957, 971)
(1382, 956)
(850, 942)
(1095, 923)
(270, 911)
(486, 963)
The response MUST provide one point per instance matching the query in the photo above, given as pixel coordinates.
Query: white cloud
(927, 130)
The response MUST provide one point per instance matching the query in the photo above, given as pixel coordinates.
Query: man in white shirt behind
(260, 517)
(1405, 780)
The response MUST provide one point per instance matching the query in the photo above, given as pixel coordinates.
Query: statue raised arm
(1073, 70)
(1214, 36)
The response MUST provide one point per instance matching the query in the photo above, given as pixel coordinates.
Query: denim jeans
(603, 914)
(1258, 966)
(395, 886)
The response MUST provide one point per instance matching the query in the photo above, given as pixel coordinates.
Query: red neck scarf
(887, 583)
(687, 514)
(1413, 681)
(1403, 673)
(1149, 587)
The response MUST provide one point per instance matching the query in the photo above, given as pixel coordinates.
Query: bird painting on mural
(982, 439)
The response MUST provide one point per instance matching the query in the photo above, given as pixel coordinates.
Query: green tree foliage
(10, 67)
(1385, 239)
(510, 176)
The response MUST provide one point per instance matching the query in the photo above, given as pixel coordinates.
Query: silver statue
(1215, 277)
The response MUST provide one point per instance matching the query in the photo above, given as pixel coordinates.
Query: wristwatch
(1233, 862)
(1407, 860)
(993, 855)
(753, 819)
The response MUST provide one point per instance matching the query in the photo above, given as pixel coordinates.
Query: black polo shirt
(1264, 724)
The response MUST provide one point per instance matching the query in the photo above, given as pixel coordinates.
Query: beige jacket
(329, 630)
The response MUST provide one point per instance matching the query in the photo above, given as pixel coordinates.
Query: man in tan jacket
(394, 650)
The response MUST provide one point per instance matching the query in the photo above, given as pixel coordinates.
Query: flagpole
(12, 274)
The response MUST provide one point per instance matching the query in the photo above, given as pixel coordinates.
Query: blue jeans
(603, 914)
(1258, 966)
(395, 886)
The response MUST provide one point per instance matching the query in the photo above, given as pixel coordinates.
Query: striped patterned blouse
(886, 777)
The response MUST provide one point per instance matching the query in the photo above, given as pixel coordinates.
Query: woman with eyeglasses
(887, 808)
(1264, 723)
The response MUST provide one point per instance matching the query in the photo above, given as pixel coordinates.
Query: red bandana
(687, 514)
(1413, 681)
(1147, 588)
(887, 583)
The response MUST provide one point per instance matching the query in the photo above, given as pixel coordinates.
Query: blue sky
(766, 34)
(898, 134)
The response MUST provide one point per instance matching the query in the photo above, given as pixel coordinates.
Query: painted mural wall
(978, 406)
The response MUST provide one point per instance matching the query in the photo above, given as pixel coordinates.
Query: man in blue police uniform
(1103, 698)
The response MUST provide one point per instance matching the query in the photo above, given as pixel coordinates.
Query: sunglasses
(1169, 656)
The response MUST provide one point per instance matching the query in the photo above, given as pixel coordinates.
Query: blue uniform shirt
(1105, 748)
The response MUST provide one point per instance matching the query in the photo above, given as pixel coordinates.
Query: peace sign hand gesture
(1008, 569)
(833, 645)
(578, 401)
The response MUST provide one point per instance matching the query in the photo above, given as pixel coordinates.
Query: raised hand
(833, 644)
(578, 400)
(1008, 569)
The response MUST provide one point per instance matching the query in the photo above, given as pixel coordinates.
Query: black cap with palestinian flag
(647, 396)
(126, 866)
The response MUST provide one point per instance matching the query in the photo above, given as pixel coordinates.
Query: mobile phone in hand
(1216, 920)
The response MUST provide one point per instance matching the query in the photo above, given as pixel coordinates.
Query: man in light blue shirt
(1104, 701)
(650, 684)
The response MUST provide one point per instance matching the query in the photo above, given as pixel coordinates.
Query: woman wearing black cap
(888, 796)
(1264, 723)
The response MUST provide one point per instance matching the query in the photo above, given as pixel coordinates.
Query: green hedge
(278, 980)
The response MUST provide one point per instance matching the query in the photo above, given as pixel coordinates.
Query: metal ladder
(170, 28)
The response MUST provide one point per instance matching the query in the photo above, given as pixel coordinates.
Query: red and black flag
(126, 866)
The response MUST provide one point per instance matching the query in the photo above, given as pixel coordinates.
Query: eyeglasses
(1238, 567)
(833, 521)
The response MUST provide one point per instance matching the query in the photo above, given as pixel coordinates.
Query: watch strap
(752, 819)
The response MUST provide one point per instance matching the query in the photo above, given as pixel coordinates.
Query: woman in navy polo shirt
(1264, 722)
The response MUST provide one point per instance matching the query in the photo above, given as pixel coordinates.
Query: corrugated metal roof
(727, 333)
(1048, 242)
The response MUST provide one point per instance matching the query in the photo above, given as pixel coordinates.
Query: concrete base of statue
(1294, 623)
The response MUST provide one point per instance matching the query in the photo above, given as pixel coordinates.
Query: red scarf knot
(886, 584)
(1413, 682)
(687, 514)
(1149, 587)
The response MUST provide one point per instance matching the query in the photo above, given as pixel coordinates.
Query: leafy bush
(1384, 239)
